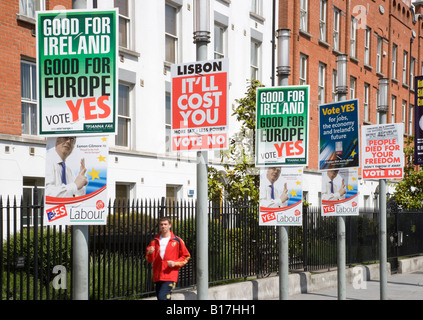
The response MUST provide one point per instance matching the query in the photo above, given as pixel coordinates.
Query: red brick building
(382, 38)
(17, 38)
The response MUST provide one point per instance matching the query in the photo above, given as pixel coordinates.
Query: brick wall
(391, 20)
(17, 40)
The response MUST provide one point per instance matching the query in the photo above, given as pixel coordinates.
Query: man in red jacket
(168, 253)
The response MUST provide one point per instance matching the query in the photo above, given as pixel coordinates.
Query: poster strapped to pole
(200, 105)
(76, 71)
(282, 126)
(339, 135)
(382, 151)
(418, 123)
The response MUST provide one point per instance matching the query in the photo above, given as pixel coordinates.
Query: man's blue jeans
(164, 289)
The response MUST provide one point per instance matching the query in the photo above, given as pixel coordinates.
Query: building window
(322, 21)
(303, 69)
(124, 23)
(336, 17)
(334, 94)
(412, 64)
(28, 98)
(404, 67)
(29, 7)
(28, 198)
(303, 15)
(353, 82)
(256, 6)
(124, 117)
(168, 121)
(171, 34)
(254, 59)
(394, 60)
(353, 48)
(322, 80)
(393, 108)
(410, 119)
(366, 102)
(123, 191)
(173, 192)
(379, 54)
(404, 114)
(219, 41)
(367, 46)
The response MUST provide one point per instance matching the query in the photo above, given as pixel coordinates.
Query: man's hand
(284, 196)
(170, 263)
(342, 190)
(151, 250)
(81, 180)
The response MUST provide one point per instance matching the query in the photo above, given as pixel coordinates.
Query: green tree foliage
(240, 178)
(409, 191)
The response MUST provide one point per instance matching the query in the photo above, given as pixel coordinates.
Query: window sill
(129, 52)
(305, 34)
(324, 44)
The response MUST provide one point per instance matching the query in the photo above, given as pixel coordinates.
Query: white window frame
(304, 15)
(255, 57)
(394, 60)
(410, 119)
(323, 20)
(353, 40)
(412, 64)
(366, 102)
(27, 8)
(393, 108)
(124, 141)
(336, 23)
(404, 112)
(322, 83)
(220, 47)
(404, 67)
(127, 21)
(256, 7)
(334, 94)
(174, 38)
(303, 69)
(29, 103)
(367, 44)
(353, 84)
(379, 55)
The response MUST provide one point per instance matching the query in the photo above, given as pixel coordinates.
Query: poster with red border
(76, 180)
(382, 149)
(199, 105)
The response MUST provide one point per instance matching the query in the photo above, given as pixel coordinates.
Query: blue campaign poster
(339, 135)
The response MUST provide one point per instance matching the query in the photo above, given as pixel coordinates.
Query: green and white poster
(77, 72)
(282, 126)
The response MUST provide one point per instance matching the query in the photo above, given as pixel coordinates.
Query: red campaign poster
(199, 105)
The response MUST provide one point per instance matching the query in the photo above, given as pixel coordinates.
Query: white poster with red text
(200, 105)
(382, 150)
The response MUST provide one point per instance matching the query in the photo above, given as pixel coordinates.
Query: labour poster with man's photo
(340, 192)
(76, 180)
(281, 194)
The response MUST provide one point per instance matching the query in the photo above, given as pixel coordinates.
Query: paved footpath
(407, 286)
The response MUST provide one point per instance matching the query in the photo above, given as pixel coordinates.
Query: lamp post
(283, 70)
(201, 39)
(382, 109)
(341, 90)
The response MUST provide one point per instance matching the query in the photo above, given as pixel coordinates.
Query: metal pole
(382, 108)
(283, 74)
(342, 90)
(80, 264)
(201, 39)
